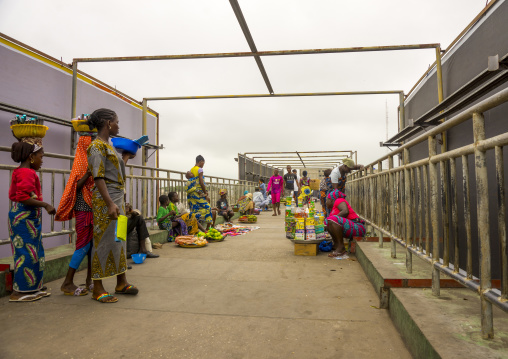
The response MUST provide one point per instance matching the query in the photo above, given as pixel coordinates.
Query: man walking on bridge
(289, 183)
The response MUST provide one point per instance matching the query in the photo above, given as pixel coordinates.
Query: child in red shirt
(25, 221)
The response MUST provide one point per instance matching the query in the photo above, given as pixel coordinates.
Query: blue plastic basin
(138, 258)
(126, 144)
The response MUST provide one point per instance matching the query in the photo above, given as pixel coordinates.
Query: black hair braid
(199, 158)
(100, 117)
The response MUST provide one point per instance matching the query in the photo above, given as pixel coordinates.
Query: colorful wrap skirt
(173, 232)
(25, 224)
(350, 228)
(108, 255)
(198, 205)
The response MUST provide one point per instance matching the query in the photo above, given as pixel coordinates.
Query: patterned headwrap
(36, 141)
(336, 194)
(223, 192)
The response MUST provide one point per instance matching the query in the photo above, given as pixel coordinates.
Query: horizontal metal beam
(259, 53)
(276, 153)
(275, 157)
(347, 93)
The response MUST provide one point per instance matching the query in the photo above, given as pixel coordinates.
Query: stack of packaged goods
(304, 222)
(310, 229)
(300, 229)
(290, 221)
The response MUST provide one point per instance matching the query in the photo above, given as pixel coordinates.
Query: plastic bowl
(126, 144)
(138, 258)
(26, 130)
(81, 126)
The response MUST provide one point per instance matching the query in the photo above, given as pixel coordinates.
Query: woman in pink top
(342, 222)
(275, 186)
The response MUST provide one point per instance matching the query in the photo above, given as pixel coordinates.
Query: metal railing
(414, 203)
(141, 191)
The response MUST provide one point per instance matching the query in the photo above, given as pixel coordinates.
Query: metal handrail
(152, 183)
(404, 203)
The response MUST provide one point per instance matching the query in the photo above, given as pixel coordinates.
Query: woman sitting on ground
(197, 194)
(342, 222)
(245, 203)
(223, 208)
(140, 243)
(259, 200)
(175, 222)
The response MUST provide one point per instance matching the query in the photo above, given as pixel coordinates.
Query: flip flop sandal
(104, 296)
(26, 298)
(128, 289)
(42, 293)
(78, 292)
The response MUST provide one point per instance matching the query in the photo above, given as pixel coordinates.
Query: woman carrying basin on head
(108, 171)
(197, 195)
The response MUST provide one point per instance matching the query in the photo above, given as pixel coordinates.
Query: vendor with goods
(339, 174)
(259, 200)
(342, 222)
(245, 203)
(223, 208)
(173, 220)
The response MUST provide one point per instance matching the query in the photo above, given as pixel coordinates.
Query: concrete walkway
(246, 297)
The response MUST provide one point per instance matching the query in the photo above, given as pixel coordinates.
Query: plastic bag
(121, 228)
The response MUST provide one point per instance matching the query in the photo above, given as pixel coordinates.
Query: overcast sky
(220, 129)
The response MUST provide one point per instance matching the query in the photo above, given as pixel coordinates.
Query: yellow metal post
(144, 187)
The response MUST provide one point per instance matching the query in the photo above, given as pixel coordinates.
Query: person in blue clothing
(262, 187)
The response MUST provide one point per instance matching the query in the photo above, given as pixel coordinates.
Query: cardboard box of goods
(321, 235)
(309, 221)
(310, 228)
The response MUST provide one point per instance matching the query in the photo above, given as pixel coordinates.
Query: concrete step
(58, 258)
(447, 326)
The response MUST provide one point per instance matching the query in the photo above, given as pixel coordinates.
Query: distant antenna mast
(386, 104)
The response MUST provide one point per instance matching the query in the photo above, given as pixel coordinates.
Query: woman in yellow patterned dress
(108, 170)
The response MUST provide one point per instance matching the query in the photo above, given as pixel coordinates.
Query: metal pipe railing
(423, 201)
(142, 191)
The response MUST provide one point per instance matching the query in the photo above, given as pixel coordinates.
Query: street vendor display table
(307, 248)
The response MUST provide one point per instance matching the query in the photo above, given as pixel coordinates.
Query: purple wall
(31, 83)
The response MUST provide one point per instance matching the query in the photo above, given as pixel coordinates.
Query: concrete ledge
(432, 327)
(58, 258)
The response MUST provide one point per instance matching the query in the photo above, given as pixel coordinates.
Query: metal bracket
(493, 63)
